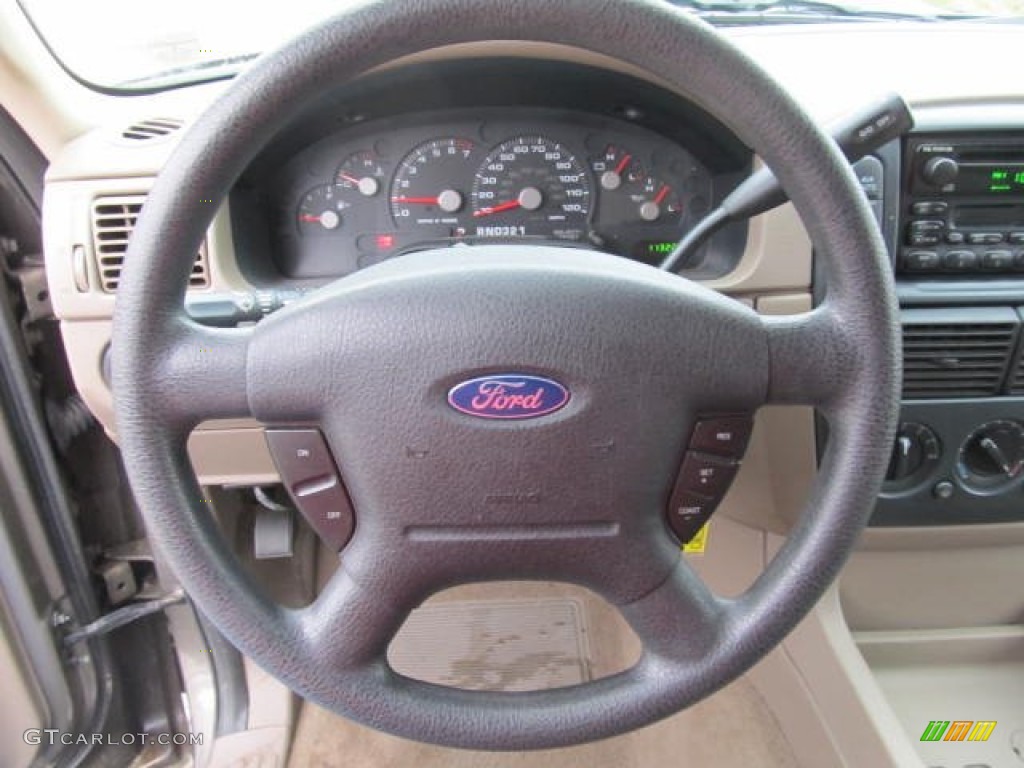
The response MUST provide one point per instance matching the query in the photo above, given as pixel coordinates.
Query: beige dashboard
(104, 176)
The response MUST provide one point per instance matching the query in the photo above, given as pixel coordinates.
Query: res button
(722, 435)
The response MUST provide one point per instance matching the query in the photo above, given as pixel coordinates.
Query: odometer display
(531, 186)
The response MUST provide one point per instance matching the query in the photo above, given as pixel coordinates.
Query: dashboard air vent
(153, 128)
(113, 219)
(1016, 383)
(964, 352)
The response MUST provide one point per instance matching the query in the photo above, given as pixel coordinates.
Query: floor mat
(732, 729)
(489, 645)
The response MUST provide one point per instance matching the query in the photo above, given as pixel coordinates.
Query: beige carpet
(733, 729)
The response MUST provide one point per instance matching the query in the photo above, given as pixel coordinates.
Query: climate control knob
(940, 171)
(993, 456)
(915, 454)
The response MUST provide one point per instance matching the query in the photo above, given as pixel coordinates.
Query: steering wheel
(370, 360)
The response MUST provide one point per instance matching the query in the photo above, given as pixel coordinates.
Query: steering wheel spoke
(813, 361)
(348, 626)
(681, 620)
(198, 373)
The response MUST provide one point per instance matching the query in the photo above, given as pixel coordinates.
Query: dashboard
(497, 150)
(499, 175)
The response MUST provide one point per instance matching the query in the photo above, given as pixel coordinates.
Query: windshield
(131, 45)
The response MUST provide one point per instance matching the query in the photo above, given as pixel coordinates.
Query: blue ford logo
(508, 396)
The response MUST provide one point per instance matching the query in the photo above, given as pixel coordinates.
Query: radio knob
(940, 171)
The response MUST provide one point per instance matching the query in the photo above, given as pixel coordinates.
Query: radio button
(960, 261)
(1017, 238)
(921, 261)
(919, 239)
(955, 238)
(929, 208)
(1018, 261)
(985, 238)
(997, 260)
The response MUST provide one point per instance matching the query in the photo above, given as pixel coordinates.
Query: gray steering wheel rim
(694, 60)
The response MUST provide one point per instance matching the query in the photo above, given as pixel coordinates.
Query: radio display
(989, 215)
(991, 179)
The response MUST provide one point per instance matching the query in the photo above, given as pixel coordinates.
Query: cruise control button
(722, 435)
(308, 473)
(687, 513)
(329, 512)
(706, 475)
(300, 455)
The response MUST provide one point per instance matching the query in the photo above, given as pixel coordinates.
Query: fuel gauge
(320, 210)
(657, 201)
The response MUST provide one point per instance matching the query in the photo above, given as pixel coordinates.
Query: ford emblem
(508, 396)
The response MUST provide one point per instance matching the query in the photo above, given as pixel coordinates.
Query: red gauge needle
(415, 200)
(622, 164)
(662, 193)
(510, 205)
(309, 218)
(349, 179)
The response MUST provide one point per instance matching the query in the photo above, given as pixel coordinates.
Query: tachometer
(430, 184)
(531, 186)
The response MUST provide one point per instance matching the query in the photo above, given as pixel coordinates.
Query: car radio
(963, 207)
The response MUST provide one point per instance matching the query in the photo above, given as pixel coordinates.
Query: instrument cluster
(529, 175)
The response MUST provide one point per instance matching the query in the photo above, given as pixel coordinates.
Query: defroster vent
(113, 219)
(957, 352)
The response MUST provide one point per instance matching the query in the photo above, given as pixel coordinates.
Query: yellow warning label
(699, 542)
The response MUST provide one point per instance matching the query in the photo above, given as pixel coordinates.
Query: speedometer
(531, 186)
